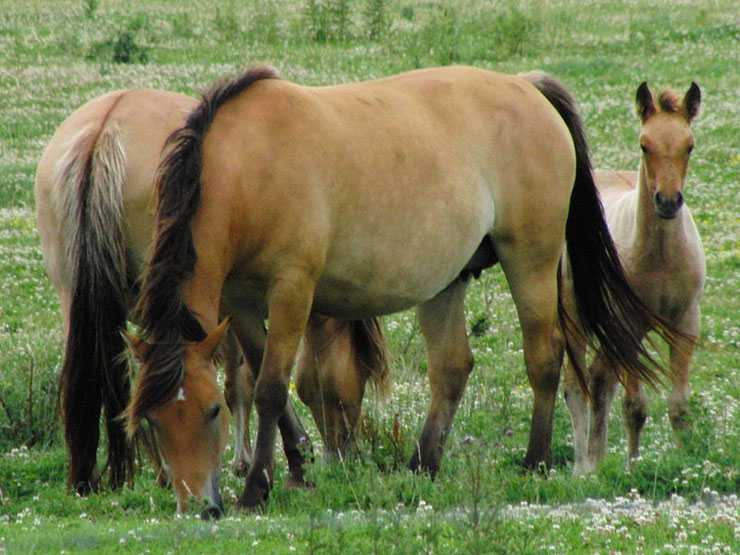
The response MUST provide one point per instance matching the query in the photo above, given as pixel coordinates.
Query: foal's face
(666, 142)
(192, 431)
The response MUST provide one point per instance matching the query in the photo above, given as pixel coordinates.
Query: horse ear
(644, 104)
(207, 348)
(692, 101)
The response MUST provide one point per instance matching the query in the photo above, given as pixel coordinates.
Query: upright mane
(167, 322)
(669, 101)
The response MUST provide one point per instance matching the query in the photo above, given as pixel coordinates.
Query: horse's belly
(381, 278)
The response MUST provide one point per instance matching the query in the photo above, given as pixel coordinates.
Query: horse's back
(436, 159)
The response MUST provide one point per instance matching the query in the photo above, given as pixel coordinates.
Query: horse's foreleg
(442, 321)
(680, 357)
(250, 330)
(603, 387)
(239, 393)
(289, 304)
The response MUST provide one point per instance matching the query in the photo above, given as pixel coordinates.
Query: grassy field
(54, 56)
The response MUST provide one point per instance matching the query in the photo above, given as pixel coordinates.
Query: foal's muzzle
(667, 208)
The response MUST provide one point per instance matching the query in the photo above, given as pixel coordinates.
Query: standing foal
(663, 258)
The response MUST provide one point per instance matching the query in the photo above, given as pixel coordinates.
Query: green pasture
(56, 55)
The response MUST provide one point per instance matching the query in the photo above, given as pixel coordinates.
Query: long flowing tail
(94, 374)
(607, 306)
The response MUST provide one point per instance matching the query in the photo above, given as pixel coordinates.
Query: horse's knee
(270, 398)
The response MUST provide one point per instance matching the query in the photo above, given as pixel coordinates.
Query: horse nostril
(679, 199)
(659, 199)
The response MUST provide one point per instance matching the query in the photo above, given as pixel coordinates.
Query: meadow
(56, 55)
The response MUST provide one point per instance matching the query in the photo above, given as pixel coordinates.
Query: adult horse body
(364, 199)
(95, 211)
(662, 254)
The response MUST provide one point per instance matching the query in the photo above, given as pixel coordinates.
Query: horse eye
(214, 412)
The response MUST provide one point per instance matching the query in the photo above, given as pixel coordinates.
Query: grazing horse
(95, 211)
(365, 199)
(663, 258)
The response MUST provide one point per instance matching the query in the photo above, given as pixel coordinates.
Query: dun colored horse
(364, 199)
(95, 208)
(663, 258)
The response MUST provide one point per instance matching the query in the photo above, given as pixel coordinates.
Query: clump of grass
(91, 6)
(376, 18)
(226, 23)
(327, 20)
(123, 49)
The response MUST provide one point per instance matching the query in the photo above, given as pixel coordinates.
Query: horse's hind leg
(532, 276)
(442, 321)
(239, 393)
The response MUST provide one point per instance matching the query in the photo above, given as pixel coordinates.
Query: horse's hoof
(295, 483)
(212, 512)
(252, 500)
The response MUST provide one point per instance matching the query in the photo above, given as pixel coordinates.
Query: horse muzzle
(667, 208)
(214, 504)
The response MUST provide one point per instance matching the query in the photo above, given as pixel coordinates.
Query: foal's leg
(239, 393)
(532, 276)
(579, 409)
(680, 361)
(603, 387)
(634, 407)
(289, 304)
(442, 321)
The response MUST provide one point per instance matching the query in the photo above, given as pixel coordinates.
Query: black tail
(94, 375)
(607, 306)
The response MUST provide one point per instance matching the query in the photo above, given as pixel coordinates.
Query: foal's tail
(94, 373)
(607, 306)
(371, 352)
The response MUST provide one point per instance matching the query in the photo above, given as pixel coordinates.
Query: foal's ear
(692, 101)
(208, 347)
(644, 105)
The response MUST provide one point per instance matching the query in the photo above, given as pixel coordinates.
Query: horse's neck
(656, 239)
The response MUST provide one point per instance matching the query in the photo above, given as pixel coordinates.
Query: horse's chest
(667, 292)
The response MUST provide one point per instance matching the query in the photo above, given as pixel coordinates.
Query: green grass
(54, 56)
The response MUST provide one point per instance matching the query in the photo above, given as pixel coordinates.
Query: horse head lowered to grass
(95, 210)
(663, 258)
(364, 199)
